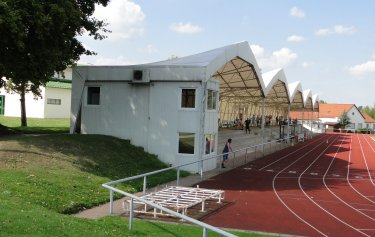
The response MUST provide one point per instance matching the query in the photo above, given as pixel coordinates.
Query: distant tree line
(370, 110)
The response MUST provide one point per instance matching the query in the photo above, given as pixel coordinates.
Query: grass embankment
(42, 178)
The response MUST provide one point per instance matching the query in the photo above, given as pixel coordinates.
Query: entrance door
(2, 104)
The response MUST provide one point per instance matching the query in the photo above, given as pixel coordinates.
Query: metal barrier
(205, 226)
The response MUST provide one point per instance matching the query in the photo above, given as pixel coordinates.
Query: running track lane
(256, 206)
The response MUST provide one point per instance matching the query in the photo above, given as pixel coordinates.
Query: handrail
(109, 185)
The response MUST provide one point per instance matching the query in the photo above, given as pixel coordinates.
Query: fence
(239, 157)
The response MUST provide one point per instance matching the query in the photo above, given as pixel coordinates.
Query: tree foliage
(344, 119)
(322, 102)
(39, 37)
(369, 110)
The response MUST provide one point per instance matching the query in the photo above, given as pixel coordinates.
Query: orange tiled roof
(306, 115)
(368, 118)
(333, 110)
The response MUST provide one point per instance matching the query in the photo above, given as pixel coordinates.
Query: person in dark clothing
(247, 125)
(226, 150)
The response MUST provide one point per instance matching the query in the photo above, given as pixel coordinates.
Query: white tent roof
(307, 99)
(277, 91)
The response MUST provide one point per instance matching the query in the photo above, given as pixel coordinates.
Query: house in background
(54, 103)
(330, 114)
(369, 122)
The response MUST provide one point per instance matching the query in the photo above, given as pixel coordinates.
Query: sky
(329, 46)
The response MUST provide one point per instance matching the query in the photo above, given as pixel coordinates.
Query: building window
(210, 143)
(186, 143)
(359, 125)
(211, 99)
(188, 98)
(53, 101)
(93, 95)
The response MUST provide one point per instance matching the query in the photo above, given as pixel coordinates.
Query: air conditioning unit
(141, 76)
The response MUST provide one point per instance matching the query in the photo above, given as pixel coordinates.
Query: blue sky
(327, 45)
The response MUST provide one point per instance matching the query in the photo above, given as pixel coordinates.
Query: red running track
(322, 187)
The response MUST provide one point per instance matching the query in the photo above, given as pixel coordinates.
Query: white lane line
(348, 173)
(326, 211)
(325, 184)
(370, 145)
(282, 202)
(287, 155)
(364, 158)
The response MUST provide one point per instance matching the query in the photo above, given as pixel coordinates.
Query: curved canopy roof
(315, 100)
(296, 96)
(307, 99)
(277, 91)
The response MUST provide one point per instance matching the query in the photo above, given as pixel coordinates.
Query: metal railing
(246, 151)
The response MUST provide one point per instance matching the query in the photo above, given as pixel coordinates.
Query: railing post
(110, 201)
(234, 159)
(178, 177)
(245, 155)
(131, 212)
(204, 232)
(144, 184)
(255, 153)
(201, 171)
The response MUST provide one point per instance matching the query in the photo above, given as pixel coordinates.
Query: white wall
(34, 108)
(57, 111)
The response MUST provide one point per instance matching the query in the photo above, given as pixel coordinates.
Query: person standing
(247, 125)
(226, 150)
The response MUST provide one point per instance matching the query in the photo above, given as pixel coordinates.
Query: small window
(53, 101)
(188, 98)
(186, 143)
(211, 99)
(93, 95)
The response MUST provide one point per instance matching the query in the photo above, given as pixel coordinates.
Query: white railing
(246, 151)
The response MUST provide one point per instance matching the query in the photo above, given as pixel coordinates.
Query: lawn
(36, 125)
(43, 178)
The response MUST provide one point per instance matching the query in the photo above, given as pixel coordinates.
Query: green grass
(43, 178)
(36, 125)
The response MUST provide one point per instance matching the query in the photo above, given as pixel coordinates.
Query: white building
(171, 108)
(54, 103)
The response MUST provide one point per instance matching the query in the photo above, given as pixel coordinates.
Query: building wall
(57, 111)
(150, 116)
(34, 107)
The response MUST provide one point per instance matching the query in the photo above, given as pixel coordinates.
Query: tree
(322, 102)
(369, 110)
(344, 119)
(39, 38)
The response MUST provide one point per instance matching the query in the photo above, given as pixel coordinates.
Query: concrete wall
(57, 111)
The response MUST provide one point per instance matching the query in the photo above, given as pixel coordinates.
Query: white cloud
(125, 19)
(337, 29)
(362, 69)
(279, 58)
(305, 64)
(295, 38)
(149, 49)
(185, 28)
(296, 12)
(257, 50)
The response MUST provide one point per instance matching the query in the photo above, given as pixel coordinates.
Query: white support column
(288, 130)
(262, 122)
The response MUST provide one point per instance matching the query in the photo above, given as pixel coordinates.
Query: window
(188, 98)
(359, 125)
(93, 95)
(53, 101)
(210, 143)
(211, 99)
(186, 143)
